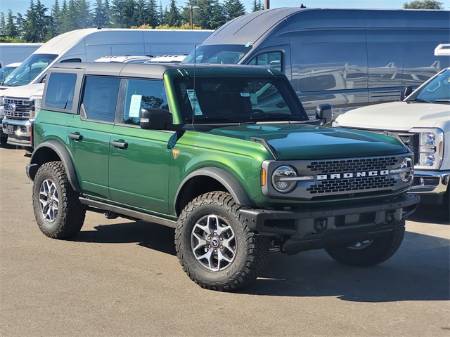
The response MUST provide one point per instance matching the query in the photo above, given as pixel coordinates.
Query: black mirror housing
(406, 92)
(324, 112)
(155, 119)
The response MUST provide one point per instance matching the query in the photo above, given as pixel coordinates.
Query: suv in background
(421, 121)
(226, 156)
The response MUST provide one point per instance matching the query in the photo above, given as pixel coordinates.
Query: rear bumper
(318, 227)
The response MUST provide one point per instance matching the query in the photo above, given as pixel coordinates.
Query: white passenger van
(21, 92)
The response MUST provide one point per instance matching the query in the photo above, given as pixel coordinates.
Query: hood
(24, 91)
(397, 116)
(304, 142)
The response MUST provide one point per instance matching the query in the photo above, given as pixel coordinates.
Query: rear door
(139, 160)
(90, 133)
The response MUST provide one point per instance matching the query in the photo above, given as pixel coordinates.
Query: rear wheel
(216, 249)
(368, 252)
(58, 212)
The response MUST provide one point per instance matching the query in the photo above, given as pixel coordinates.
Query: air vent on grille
(352, 165)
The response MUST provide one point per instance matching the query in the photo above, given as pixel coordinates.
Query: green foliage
(40, 23)
(423, 4)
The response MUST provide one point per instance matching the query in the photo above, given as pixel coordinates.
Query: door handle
(75, 136)
(120, 144)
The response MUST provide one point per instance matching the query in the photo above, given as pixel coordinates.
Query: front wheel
(216, 249)
(369, 252)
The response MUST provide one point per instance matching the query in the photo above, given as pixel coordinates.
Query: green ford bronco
(226, 156)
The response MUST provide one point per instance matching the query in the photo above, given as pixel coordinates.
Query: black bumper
(318, 227)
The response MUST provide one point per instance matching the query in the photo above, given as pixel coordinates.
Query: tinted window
(234, 100)
(271, 59)
(437, 90)
(60, 90)
(143, 94)
(100, 97)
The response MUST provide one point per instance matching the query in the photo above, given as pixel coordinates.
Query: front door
(139, 158)
(90, 133)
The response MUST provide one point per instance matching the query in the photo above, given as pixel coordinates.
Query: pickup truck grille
(411, 140)
(18, 108)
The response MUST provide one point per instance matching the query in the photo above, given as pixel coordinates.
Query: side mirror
(155, 119)
(406, 92)
(324, 112)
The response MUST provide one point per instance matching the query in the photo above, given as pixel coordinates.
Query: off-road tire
(381, 249)
(250, 252)
(3, 139)
(71, 212)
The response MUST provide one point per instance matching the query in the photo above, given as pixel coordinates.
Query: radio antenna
(195, 92)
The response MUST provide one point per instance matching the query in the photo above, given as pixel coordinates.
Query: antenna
(195, 92)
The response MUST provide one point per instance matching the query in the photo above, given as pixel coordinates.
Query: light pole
(266, 4)
(191, 14)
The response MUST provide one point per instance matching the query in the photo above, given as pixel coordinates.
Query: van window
(60, 90)
(100, 97)
(272, 59)
(74, 60)
(142, 94)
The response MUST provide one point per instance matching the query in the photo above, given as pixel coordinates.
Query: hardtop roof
(156, 71)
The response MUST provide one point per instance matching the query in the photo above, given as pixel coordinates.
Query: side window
(272, 59)
(74, 60)
(100, 97)
(142, 94)
(60, 91)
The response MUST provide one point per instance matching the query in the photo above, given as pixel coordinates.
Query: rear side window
(143, 94)
(60, 91)
(100, 97)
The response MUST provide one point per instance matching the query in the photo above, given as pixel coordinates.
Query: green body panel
(148, 174)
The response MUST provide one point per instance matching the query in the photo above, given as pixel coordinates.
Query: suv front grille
(353, 184)
(18, 108)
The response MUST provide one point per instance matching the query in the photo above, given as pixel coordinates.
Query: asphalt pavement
(122, 278)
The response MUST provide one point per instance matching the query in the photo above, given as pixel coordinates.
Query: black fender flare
(62, 153)
(230, 183)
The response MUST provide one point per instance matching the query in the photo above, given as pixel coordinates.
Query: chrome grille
(411, 140)
(18, 108)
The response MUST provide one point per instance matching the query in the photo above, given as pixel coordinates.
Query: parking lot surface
(122, 278)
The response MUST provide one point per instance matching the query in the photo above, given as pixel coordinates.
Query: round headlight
(406, 175)
(281, 179)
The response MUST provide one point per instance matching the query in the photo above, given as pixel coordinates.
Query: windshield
(217, 54)
(4, 72)
(237, 100)
(29, 69)
(435, 91)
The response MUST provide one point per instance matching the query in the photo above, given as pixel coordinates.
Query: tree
(83, 13)
(173, 16)
(20, 21)
(233, 9)
(257, 5)
(36, 22)
(55, 18)
(423, 4)
(210, 14)
(2, 23)
(152, 14)
(10, 27)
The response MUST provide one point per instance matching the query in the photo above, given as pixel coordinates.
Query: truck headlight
(282, 179)
(431, 148)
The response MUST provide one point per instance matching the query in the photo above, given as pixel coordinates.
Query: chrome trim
(441, 187)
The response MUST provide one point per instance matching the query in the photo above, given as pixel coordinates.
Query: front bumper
(18, 131)
(431, 182)
(318, 227)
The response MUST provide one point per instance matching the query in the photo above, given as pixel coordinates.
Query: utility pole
(266, 4)
(191, 14)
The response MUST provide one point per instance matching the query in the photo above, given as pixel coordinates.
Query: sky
(22, 5)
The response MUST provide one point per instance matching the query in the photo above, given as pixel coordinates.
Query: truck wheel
(369, 252)
(215, 248)
(3, 139)
(57, 210)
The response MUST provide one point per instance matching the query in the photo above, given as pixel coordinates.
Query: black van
(346, 57)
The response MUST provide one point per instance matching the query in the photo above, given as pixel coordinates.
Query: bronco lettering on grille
(348, 175)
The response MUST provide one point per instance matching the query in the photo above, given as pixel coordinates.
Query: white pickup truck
(422, 121)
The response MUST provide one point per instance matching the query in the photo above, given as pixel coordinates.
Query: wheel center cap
(215, 242)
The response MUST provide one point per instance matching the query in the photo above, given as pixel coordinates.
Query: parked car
(226, 155)
(344, 57)
(421, 121)
(25, 84)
